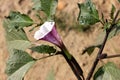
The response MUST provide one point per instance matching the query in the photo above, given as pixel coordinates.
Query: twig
(114, 21)
(49, 56)
(111, 56)
(97, 59)
(101, 22)
(102, 47)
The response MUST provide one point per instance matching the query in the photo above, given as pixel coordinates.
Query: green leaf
(47, 6)
(51, 75)
(19, 74)
(108, 72)
(13, 34)
(43, 49)
(88, 14)
(18, 64)
(114, 32)
(16, 39)
(107, 26)
(99, 74)
(112, 12)
(18, 20)
(90, 49)
(118, 23)
(18, 44)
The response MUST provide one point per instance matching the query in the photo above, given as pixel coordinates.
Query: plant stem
(111, 56)
(72, 63)
(97, 58)
(102, 47)
(72, 66)
(114, 21)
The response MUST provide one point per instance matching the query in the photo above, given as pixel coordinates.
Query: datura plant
(20, 61)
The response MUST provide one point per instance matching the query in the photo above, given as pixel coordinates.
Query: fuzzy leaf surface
(107, 72)
(18, 20)
(88, 14)
(43, 49)
(16, 39)
(18, 64)
(47, 6)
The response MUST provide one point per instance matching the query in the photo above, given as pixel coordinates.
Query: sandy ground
(75, 41)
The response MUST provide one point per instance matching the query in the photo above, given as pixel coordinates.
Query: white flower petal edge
(44, 30)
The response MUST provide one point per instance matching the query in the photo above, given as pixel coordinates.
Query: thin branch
(102, 22)
(102, 47)
(111, 56)
(49, 56)
(114, 21)
(97, 58)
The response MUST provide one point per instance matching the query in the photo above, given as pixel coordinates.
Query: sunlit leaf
(107, 72)
(47, 6)
(16, 39)
(20, 73)
(18, 64)
(18, 20)
(112, 12)
(13, 34)
(18, 44)
(43, 49)
(88, 14)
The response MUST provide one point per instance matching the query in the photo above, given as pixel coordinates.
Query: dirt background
(74, 40)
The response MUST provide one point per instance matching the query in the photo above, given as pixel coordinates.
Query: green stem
(72, 63)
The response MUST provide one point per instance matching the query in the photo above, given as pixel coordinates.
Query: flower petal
(44, 30)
